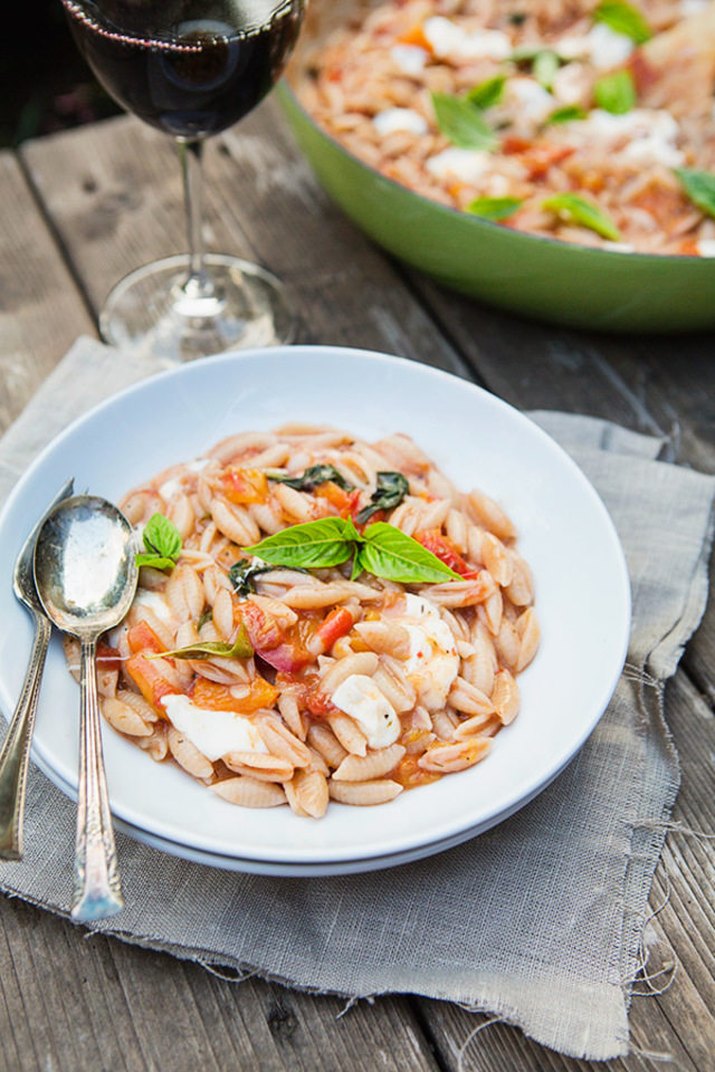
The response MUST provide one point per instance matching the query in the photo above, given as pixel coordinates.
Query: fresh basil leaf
(312, 477)
(312, 545)
(494, 208)
(161, 537)
(576, 209)
(462, 123)
(240, 649)
(389, 493)
(487, 93)
(616, 93)
(389, 553)
(544, 67)
(624, 19)
(517, 18)
(358, 566)
(155, 561)
(699, 187)
(567, 114)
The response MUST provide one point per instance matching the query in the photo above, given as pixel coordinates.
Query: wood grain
(112, 194)
(41, 313)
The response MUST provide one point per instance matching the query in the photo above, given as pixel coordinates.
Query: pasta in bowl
(475, 439)
(318, 618)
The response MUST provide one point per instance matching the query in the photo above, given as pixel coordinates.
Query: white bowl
(565, 534)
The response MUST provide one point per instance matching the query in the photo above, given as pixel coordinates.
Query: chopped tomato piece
(108, 658)
(337, 624)
(645, 75)
(409, 774)
(443, 548)
(244, 485)
(150, 681)
(539, 158)
(512, 145)
(345, 502)
(141, 637)
(214, 697)
(415, 36)
(688, 247)
(281, 649)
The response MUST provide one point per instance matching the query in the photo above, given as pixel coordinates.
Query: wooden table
(78, 211)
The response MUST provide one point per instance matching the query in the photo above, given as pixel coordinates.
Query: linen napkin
(539, 920)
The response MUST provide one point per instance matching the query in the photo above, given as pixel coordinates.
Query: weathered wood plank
(40, 314)
(67, 1002)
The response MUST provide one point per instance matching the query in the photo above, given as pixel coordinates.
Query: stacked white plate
(565, 534)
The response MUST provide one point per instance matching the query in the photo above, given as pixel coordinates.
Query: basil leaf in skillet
(623, 18)
(312, 477)
(572, 208)
(162, 544)
(567, 114)
(312, 545)
(389, 493)
(495, 208)
(699, 186)
(463, 123)
(487, 93)
(616, 93)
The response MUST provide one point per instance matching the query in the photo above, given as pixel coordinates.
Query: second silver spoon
(86, 577)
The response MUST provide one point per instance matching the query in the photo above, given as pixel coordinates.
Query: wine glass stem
(198, 283)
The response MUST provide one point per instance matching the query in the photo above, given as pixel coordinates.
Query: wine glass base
(152, 312)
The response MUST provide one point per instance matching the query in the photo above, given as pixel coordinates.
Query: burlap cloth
(538, 921)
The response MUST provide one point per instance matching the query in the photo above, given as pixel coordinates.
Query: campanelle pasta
(303, 684)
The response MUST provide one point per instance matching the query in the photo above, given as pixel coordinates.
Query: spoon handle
(98, 892)
(15, 754)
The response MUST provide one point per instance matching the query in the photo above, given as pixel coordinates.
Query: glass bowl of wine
(190, 68)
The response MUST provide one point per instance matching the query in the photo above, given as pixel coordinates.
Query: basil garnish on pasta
(208, 649)
(623, 18)
(616, 93)
(389, 493)
(312, 478)
(382, 549)
(242, 573)
(572, 208)
(699, 187)
(388, 552)
(162, 544)
(462, 122)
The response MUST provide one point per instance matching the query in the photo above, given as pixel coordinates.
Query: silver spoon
(86, 577)
(15, 751)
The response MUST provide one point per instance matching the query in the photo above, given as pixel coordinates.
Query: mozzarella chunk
(154, 602)
(534, 103)
(214, 733)
(432, 664)
(607, 48)
(706, 247)
(394, 119)
(411, 59)
(359, 697)
(448, 39)
(641, 136)
(465, 164)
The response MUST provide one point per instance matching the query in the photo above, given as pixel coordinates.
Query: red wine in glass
(191, 68)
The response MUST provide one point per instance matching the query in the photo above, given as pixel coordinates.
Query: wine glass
(190, 68)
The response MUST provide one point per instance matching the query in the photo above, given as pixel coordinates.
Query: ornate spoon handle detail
(98, 891)
(15, 753)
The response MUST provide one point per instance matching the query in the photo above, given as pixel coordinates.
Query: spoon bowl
(85, 571)
(86, 577)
